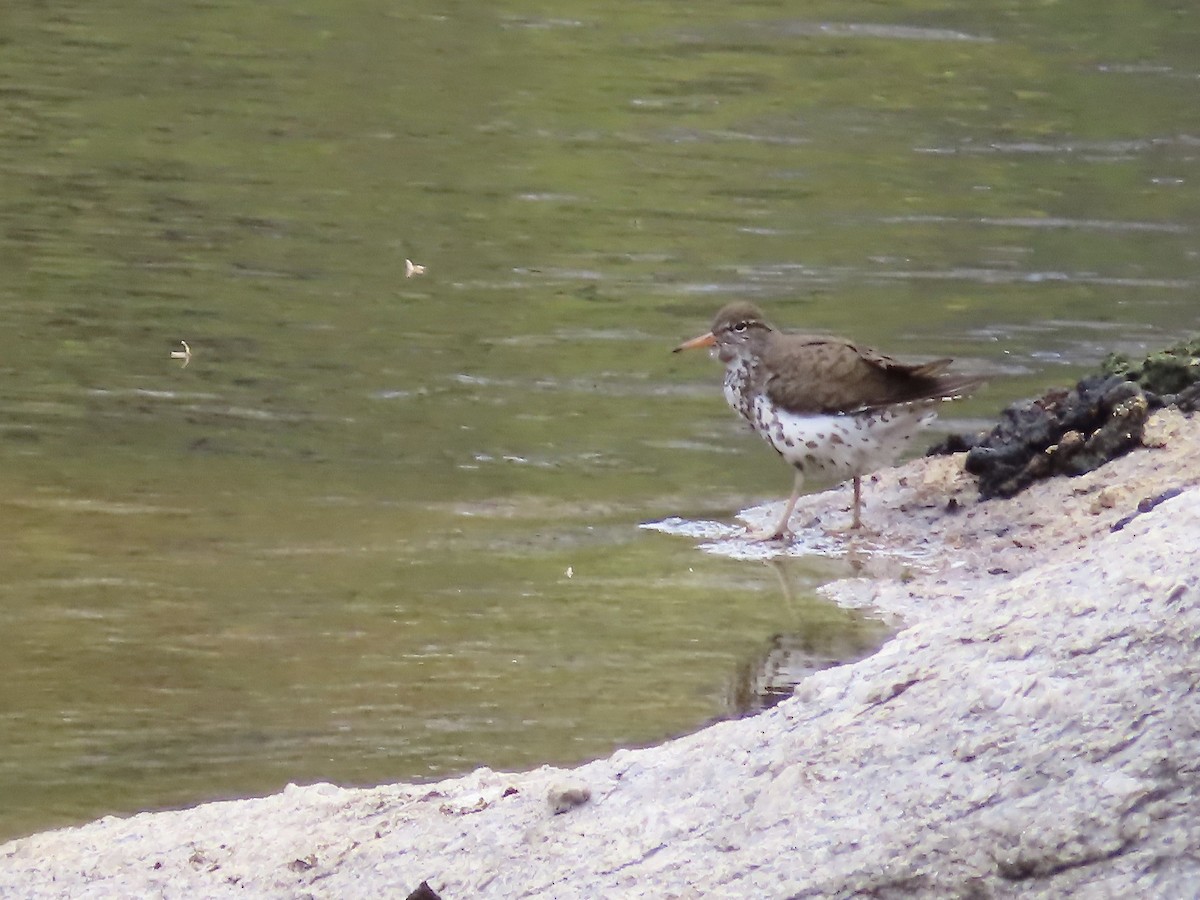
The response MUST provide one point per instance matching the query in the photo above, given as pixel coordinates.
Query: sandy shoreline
(1033, 731)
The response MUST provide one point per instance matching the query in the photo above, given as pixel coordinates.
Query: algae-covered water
(386, 528)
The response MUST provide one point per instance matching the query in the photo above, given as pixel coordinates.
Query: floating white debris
(411, 269)
(570, 572)
(185, 354)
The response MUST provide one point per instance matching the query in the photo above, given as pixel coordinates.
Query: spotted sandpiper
(826, 405)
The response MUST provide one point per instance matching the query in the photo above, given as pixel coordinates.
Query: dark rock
(954, 443)
(1065, 432)
(1070, 432)
(424, 892)
(1055, 434)
(1188, 400)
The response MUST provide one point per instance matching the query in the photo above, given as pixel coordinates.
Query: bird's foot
(764, 535)
(856, 528)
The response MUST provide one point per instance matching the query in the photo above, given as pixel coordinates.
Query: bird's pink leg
(782, 532)
(857, 523)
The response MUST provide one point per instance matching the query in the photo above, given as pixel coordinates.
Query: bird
(827, 405)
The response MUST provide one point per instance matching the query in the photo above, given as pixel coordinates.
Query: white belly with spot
(841, 445)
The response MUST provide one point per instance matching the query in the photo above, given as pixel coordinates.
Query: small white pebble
(565, 795)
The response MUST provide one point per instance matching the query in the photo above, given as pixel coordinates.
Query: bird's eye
(740, 327)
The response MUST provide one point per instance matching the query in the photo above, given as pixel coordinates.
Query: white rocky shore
(1034, 731)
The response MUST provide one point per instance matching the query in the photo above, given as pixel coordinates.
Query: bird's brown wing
(830, 375)
(888, 364)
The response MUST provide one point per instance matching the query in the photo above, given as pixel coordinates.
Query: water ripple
(1114, 225)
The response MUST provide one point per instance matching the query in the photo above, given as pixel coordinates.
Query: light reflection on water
(337, 545)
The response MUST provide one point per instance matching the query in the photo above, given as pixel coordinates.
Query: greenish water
(336, 545)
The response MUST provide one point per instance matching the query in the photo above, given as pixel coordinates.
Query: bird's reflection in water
(824, 636)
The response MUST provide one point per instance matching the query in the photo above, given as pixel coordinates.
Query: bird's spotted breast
(738, 393)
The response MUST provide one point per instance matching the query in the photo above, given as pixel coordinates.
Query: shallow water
(384, 528)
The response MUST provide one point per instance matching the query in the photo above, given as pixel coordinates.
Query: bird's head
(739, 329)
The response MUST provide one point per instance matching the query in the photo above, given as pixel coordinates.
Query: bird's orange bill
(705, 340)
